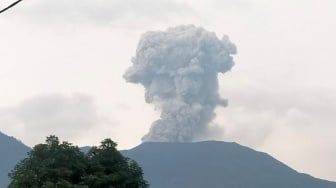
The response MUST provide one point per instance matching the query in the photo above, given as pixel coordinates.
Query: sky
(62, 64)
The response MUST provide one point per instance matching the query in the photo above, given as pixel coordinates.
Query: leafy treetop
(62, 165)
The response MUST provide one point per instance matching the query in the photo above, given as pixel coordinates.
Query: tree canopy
(55, 164)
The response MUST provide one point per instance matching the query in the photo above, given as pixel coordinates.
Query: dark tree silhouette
(56, 164)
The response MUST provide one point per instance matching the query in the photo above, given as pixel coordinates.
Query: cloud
(256, 110)
(103, 11)
(67, 116)
(178, 68)
(218, 5)
(295, 125)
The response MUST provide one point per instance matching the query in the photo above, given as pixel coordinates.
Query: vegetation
(63, 165)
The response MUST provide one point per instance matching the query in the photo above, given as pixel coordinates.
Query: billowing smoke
(178, 68)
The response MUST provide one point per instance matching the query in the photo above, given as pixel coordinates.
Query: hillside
(217, 165)
(12, 151)
(193, 165)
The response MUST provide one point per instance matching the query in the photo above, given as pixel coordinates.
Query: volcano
(12, 151)
(216, 164)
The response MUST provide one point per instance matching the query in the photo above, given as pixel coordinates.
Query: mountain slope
(11, 152)
(217, 165)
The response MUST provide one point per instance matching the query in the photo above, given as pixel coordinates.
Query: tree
(107, 167)
(56, 164)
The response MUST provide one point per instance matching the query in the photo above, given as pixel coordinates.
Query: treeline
(62, 165)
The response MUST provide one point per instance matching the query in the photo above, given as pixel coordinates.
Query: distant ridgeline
(11, 152)
(216, 164)
(210, 164)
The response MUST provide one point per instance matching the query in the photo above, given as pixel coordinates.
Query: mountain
(216, 164)
(11, 152)
(212, 164)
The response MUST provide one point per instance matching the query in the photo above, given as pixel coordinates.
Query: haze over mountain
(216, 164)
(12, 151)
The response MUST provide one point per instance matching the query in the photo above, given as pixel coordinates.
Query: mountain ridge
(195, 165)
(12, 151)
(216, 164)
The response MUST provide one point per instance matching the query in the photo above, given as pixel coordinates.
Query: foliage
(56, 164)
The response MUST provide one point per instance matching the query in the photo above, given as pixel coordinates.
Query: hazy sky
(62, 61)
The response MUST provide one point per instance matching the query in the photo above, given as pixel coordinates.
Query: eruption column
(178, 68)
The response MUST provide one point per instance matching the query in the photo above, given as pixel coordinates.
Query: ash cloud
(178, 69)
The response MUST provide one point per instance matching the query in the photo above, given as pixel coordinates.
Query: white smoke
(178, 68)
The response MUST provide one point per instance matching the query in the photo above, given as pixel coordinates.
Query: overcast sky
(62, 61)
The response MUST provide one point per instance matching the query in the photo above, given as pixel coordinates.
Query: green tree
(107, 167)
(63, 165)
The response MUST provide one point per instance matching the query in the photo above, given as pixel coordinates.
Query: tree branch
(10, 6)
